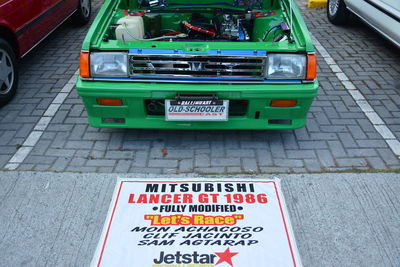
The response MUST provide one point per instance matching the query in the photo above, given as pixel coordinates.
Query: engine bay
(198, 24)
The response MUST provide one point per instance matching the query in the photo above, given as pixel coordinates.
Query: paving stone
(100, 163)
(79, 144)
(202, 160)
(123, 166)
(376, 163)
(141, 159)
(300, 154)
(68, 153)
(264, 157)
(225, 161)
(145, 170)
(164, 163)
(233, 170)
(249, 165)
(60, 164)
(274, 170)
(352, 162)
(325, 157)
(211, 170)
(33, 159)
(338, 136)
(288, 163)
(312, 165)
(116, 154)
(185, 165)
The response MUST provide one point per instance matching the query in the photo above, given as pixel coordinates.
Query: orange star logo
(226, 256)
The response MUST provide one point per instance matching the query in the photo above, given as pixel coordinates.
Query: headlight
(286, 66)
(109, 64)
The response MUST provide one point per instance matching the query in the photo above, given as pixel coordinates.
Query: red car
(24, 24)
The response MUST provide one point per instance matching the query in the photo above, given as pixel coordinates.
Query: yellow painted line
(317, 3)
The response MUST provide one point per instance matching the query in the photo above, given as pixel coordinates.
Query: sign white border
(96, 261)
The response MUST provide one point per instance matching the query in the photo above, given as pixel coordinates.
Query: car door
(58, 11)
(383, 15)
(21, 16)
(395, 4)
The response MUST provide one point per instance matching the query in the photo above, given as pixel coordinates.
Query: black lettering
(229, 187)
(208, 187)
(241, 188)
(168, 259)
(186, 258)
(196, 187)
(173, 187)
(152, 188)
(184, 187)
(160, 260)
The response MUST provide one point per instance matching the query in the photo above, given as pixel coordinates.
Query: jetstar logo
(196, 258)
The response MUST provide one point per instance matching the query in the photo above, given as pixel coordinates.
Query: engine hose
(197, 29)
(171, 33)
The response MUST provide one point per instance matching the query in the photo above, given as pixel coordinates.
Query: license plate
(196, 110)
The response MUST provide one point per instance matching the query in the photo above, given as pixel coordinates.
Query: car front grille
(197, 66)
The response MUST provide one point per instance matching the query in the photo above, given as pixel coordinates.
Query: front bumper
(258, 113)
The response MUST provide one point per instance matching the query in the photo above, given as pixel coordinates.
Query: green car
(237, 64)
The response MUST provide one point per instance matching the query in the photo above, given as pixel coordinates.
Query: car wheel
(8, 73)
(337, 12)
(82, 14)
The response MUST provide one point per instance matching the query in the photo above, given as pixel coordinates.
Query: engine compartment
(199, 24)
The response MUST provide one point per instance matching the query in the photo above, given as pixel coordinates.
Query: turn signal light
(84, 65)
(109, 101)
(283, 103)
(311, 67)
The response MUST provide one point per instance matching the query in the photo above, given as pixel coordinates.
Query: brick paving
(43, 73)
(338, 135)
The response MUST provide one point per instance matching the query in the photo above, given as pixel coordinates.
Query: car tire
(337, 12)
(83, 12)
(8, 72)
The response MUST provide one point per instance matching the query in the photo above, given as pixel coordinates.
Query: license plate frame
(196, 109)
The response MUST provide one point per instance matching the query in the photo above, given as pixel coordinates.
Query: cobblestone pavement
(338, 135)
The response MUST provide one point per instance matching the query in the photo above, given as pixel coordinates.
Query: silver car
(382, 15)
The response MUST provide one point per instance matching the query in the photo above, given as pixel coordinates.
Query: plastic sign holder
(197, 223)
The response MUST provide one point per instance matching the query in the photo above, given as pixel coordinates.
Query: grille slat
(197, 66)
(136, 61)
(205, 70)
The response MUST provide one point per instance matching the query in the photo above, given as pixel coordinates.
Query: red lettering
(131, 198)
(154, 198)
(165, 199)
(187, 198)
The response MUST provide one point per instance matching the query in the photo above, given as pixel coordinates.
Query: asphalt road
(55, 219)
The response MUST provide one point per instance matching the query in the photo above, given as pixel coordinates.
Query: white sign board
(197, 223)
(193, 111)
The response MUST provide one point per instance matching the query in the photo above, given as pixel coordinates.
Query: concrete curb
(317, 3)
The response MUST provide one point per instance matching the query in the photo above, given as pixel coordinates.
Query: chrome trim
(266, 82)
(212, 66)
